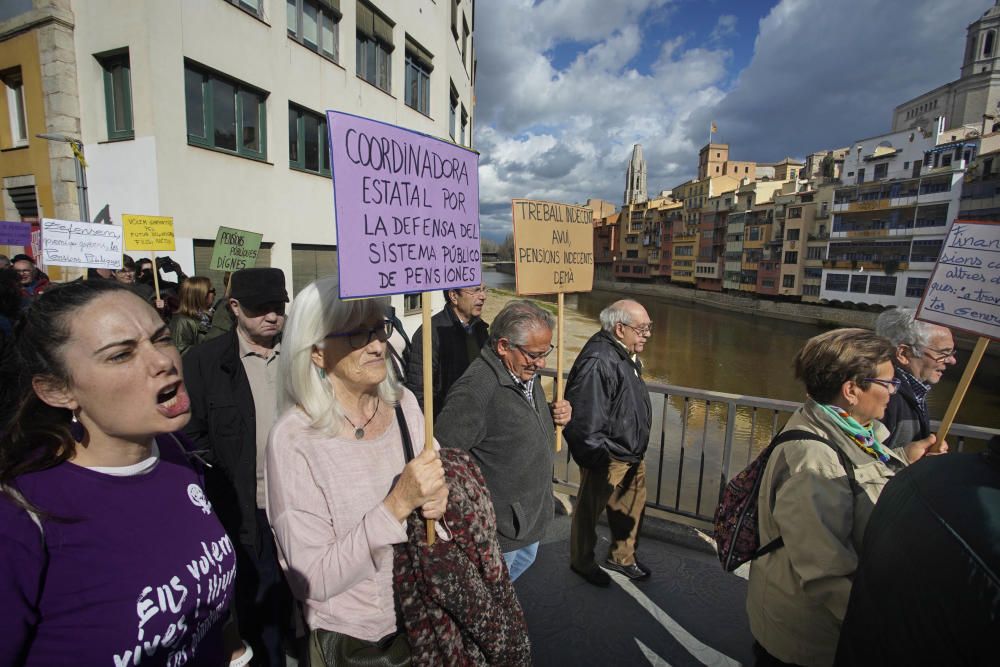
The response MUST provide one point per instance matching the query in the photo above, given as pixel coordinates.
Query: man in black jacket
(608, 437)
(231, 380)
(457, 335)
(923, 353)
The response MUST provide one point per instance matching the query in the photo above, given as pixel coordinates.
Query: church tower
(635, 178)
(982, 44)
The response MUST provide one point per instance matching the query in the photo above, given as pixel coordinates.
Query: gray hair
(615, 314)
(901, 327)
(317, 311)
(518, 318)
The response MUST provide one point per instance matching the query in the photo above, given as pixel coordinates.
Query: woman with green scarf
(817, 495)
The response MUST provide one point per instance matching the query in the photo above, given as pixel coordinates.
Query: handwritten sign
(82, 244)
(407, 209)
(148, 232)
(553, 247)
(15, 233)
(964, 289)
(235, 249)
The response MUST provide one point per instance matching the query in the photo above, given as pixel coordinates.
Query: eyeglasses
(939, 355)
(536, 356)
(644, 331)
(359, 339)
(892, 386)
(472, 291)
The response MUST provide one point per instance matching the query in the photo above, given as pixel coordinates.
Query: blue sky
(566, 87)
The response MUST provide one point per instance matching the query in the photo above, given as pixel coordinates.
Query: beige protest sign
(553, 247)
(148, 232)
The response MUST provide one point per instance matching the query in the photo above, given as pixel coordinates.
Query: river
(709, 348)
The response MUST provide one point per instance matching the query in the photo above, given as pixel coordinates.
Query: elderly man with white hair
(923, 353)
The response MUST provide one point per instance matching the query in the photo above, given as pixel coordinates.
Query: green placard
(235, 249)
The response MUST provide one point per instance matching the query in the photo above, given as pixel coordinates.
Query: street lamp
(81, 170)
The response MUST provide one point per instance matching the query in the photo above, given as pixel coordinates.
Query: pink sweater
(325, 503)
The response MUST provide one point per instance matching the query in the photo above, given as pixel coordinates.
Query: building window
(249, 6)
(307, 141)
(792, 234)
(117, 94)
(813, 273)
(791, 257)
(632, 254)
(464, 126)
(465, 42)
(418, 78)
(859, 283)
(310, 262)
(816, 252)
(988, 44)
(915, 287)
(375, 47)
(795, 212)
(452, 112)
(454, 17)
(926, 251)
(224, 113)
(788, 281)
(836, 282)
(881, 171)
(412, 303)
(15, 106)
(315, 24)
(884, 285)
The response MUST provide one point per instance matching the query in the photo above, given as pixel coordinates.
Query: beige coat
(798, 593)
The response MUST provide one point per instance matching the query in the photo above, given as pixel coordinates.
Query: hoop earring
(76, 428)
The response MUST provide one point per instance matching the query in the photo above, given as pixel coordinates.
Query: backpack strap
(799, 434)
(404, 432)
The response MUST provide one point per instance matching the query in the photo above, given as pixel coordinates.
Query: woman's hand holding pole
(420, 485)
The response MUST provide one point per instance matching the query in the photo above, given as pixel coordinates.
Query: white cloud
(725, 26)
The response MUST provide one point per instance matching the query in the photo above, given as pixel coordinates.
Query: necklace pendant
(359, 433)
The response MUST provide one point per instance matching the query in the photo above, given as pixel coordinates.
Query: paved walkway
(689, 613)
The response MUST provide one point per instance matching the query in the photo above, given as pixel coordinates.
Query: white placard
(82, 244)
(964, 289)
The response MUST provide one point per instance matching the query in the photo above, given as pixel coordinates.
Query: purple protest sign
(407, 209)
(15, 233)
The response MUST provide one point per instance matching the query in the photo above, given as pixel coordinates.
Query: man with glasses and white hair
(497, 411)
(923, 353)
(232, 383)
(457, 335)
(608, 437)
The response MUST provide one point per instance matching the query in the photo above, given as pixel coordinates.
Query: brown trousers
(621, 488)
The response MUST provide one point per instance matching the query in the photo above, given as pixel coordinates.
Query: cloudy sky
(566, 87)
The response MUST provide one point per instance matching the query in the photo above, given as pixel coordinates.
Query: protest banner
(235, 249)
(553, 253)
(152, 233)
(963, 293)
(553, 247)
(15, 233)
(148, 232)
(81, 244)
(407, 211)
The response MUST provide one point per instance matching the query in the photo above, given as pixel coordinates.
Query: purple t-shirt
(130, 571)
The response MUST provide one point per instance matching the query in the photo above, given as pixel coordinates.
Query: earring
(321, 373)
(76, 428)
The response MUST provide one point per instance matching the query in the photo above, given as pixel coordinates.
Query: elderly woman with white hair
(339, 488)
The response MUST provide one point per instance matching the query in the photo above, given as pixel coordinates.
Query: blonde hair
(317, 311)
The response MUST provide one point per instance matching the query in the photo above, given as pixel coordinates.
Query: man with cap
(231, 381)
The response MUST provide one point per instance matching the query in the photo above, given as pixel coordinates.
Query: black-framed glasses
(535, 356)
(361, 338)
(891, 385)
(643, 331)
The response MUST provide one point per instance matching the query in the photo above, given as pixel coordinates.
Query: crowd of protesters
(265, 489)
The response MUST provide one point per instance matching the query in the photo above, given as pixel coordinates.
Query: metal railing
(699, 439)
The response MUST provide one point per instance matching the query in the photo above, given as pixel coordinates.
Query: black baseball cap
(255, 287)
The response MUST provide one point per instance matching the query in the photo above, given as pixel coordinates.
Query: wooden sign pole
(559, 364)
(425, 305)
(963, 386)
(156, 276)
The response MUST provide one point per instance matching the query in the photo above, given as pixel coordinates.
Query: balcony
(867, 265)
(707, 270)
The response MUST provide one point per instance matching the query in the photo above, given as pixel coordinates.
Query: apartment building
(212, 111)
(891, 215)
